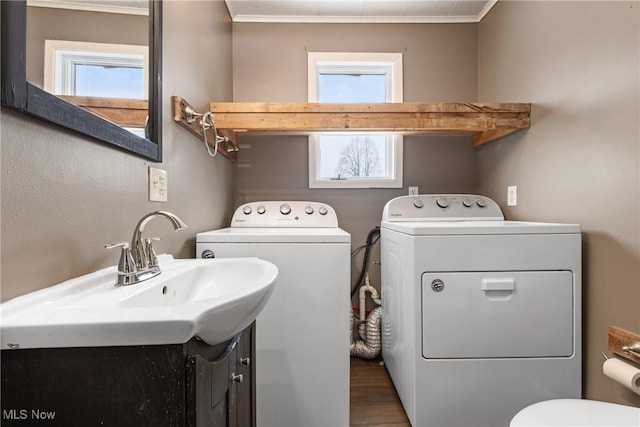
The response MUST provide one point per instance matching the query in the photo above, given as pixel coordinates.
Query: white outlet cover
(413, 191)
(158, 185)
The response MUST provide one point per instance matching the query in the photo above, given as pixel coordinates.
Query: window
(355, 160)
(96, 69)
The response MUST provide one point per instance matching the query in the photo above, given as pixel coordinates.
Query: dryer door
(497, 314)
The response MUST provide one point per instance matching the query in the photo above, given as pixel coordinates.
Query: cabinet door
(246, 403)
(93, 386)
(212, 394)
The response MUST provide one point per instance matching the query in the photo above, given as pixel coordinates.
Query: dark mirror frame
(19, 94)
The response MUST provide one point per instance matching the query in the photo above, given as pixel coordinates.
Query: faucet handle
(126, 265)
(123, 245)
(152, 258)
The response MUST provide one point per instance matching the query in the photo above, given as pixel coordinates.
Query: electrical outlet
(413, 191)
(157, 185)
(512, 195)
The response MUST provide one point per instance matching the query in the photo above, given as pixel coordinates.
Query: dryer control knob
(246, 210)
(309, 210)
(322, 210)
(261, 210)
(467, 203)
(285, 209)
(481, 203)
(418, 203)
(442, 202)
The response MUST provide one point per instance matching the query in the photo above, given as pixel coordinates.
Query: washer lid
(274, 235)
(430, 228)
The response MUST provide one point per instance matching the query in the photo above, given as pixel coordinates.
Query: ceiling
(359, 11)
(345, 11)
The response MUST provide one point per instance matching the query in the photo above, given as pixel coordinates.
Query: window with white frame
(355, 160)
(96, 69)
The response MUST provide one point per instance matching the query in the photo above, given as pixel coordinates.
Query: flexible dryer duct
(371, 345)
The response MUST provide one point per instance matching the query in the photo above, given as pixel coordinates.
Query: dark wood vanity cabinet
(191, 384)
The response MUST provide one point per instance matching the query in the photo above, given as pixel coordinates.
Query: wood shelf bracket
(187, 117)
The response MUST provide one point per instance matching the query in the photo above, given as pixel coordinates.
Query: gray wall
(578, 63)
(64, 196)
(270, 64)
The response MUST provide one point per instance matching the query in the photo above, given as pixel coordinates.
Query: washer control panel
(442, 207)
(285, 214)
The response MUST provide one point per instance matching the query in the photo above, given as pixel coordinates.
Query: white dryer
(481, 316)
(302, 334)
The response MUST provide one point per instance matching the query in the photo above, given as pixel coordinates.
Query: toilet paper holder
(633, 348)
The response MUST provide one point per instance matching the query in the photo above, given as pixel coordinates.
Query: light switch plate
(512, 195)
(158, 185)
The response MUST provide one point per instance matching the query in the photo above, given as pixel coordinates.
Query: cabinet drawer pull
(237, 378)
(245, 361)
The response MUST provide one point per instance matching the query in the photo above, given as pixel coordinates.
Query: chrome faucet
(138, 262)
(140, 254)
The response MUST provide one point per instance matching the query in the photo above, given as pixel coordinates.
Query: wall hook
(190, 114)
(633, 348)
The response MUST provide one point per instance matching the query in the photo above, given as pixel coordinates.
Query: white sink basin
(209, 299)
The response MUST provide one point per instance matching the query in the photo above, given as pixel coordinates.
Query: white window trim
(325, 60)
(355, 182)
(363, 58)
(60, 55)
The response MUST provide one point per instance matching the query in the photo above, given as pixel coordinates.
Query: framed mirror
(21, 94)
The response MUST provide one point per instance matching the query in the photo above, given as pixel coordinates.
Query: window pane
(345, 159)
(340, 88)
(109, 81)
(359, 156)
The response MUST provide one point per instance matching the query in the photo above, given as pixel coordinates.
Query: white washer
(302, 334)
(481, 316)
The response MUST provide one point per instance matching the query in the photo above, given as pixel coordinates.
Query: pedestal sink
(208, 299)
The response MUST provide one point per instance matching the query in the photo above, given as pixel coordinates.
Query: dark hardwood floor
(374, 401)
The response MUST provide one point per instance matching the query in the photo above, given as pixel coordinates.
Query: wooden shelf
(485, 121)
(123, 112)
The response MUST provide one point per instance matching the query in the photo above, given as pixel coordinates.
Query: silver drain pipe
(371, 344)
